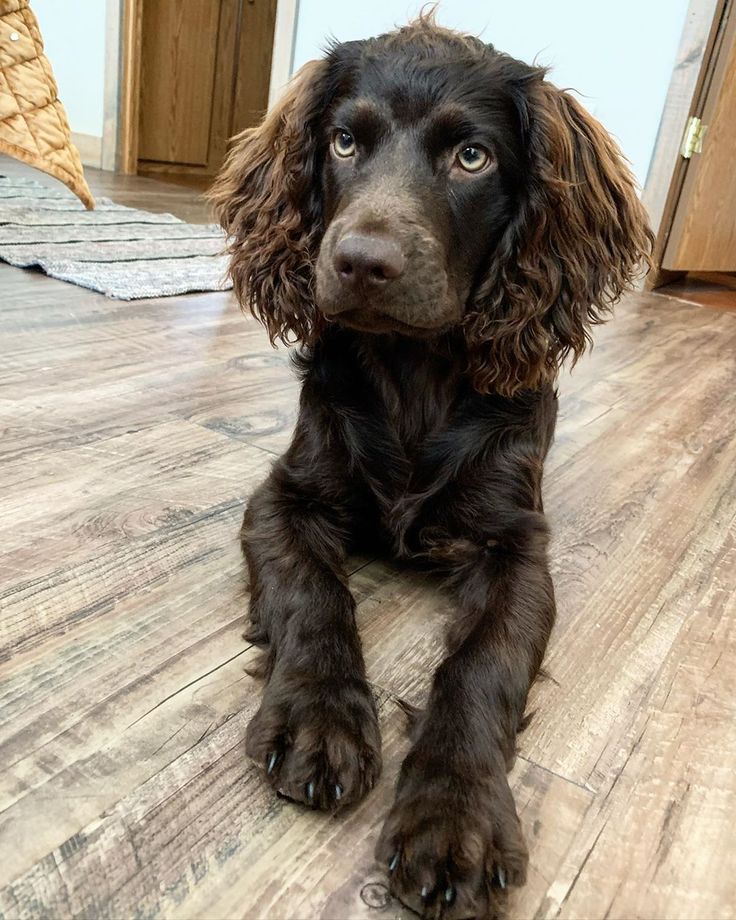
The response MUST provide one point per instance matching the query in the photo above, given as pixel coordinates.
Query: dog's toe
(324, 756)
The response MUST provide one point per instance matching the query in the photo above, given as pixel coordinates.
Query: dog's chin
(373, 321)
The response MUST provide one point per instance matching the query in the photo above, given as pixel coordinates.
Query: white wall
(618, 55)
(74, 40)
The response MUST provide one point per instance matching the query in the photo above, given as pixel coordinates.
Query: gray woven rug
(122, 252)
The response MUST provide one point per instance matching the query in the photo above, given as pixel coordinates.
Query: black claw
(310, 793)
(450, 894)
(272, 762)
(338, 792)
(393, 862)
(500, 877)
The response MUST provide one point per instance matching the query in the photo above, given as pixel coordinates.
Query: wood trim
(282, 59)
(130, 67)
(667, 168)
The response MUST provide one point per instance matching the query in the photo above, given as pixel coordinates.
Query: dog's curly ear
(268, 199)
(577, 243)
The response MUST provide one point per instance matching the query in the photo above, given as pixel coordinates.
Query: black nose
(366, 259)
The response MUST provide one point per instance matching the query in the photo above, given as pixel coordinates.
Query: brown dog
(438, 226)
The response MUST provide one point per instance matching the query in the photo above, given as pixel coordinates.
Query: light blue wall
(74, 37)
(618, 55)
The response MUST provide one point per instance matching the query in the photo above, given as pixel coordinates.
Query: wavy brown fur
(267, 199)
(577, 243)
(426, 440)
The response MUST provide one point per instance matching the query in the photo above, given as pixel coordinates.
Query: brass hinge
(692, 142)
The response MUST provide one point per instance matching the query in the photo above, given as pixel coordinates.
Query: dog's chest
(417, 391)
(419, 415)
(421, 456)
(409, 423)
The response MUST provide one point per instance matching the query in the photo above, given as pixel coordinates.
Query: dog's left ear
(576, 244)
(268, 199)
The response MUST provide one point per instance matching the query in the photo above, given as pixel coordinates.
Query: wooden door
(253, 61)
(703, 233)
(178, 56)
(204, 73)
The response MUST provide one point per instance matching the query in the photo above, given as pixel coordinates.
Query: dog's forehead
(410, 88)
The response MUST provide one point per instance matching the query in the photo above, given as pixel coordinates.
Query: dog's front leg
(316, 732)
(453, 841)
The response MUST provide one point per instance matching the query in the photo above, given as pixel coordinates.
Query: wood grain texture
(204, 76)
(130, 86)
(663, 179)
(253, 65)
(221, 129)
(703, 234)
(132, 435)
(667, 168)
(178, 56)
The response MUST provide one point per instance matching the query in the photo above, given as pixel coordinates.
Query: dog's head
(421, 182)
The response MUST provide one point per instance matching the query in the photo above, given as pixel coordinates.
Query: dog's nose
(366, 259)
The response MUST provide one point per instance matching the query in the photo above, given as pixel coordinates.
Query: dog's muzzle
(380, 274)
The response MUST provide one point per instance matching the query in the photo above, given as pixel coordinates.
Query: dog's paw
(317, 739)
(452, 844)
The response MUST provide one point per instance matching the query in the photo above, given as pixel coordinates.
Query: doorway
(194, 73)
(691, 187)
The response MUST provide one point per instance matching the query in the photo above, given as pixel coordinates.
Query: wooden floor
(716, 290)
(132, 434)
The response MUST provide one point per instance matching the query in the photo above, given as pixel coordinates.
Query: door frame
(284, 39)
(128, 95)
(688, 87)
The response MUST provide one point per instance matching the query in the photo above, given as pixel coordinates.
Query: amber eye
(343, 143)
(473, 159)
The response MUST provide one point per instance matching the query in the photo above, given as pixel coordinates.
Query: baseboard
(89, 147)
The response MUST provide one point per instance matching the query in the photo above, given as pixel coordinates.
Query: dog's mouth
(369, 320)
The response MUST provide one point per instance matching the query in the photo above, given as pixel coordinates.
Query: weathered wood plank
(205, 836)
(660, 842)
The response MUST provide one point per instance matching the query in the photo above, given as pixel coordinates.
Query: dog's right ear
(268, 199)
